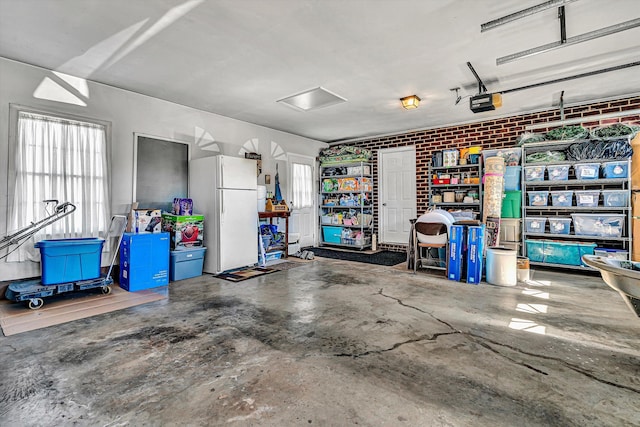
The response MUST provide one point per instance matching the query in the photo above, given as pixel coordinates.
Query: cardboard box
(456, 253)
(146, 221)
(185, 231)
(144, 261)
(475, 248)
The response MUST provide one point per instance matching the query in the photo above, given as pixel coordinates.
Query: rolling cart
(68, 265)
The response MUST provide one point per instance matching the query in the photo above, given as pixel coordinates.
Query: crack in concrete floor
(480, 340)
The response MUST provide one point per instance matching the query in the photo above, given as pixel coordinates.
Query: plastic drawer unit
(587, 170)
(558, 172)
(615, 198)
(587, 198)
(538, 198)
(562, 198)
(186, 263)
(600, 225)
(615, 169)
(534, 173)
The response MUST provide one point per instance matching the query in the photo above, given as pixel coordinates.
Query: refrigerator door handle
(222, 202)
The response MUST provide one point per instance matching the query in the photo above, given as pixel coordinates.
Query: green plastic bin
(512, 204)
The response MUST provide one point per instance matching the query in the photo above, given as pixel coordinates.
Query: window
(63, 159)
(302, 186)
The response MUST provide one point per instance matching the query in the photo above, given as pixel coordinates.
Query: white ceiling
(238, 57)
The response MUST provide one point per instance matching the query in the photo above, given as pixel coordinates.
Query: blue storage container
(562, 198)
(69, 260)
(144, 261)
(587, 198)
(186, 263)
(615, 198)
(616, 169)
(538, 198)
(331, 234)
(535, 250)
(587, 170)
(565, 253)
(534, 173)
(559, 225)
(535, 224)
(512, 178)
(558, 172)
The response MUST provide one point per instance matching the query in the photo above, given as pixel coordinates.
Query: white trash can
(502, 266)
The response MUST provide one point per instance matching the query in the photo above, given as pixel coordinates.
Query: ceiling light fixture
(410, 102)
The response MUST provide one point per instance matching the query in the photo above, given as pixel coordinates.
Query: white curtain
(64, 160)
(302, 186)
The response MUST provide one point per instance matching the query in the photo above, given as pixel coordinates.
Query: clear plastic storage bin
(535, 224)
(559, 225)
(620, 254)
(587, 171)
(615, 169)
(615, 198)
(538, 198)
(601, 225)
(562, 198)
(558, 172)
(587, 198)
(534, 173)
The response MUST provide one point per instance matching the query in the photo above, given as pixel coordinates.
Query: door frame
(381, 153)
(314, 188)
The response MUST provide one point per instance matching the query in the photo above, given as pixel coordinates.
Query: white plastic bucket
(502, 266)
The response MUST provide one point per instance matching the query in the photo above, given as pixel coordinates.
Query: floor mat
(244, 274)
(387, 258)
(16, 317)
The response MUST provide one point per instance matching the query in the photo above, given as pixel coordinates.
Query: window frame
(14, 110)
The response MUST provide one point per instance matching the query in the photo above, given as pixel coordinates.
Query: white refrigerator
(224, 189)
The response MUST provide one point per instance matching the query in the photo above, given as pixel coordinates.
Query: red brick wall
(490, 134)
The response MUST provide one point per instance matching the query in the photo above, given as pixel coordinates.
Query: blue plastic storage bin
(512, 178)
(331, 234)
(534, 173)
(559, 225)
(616, 169)
(144, 261)
(535, 224)
(535, 250)
(558, 172)
(186, 263)
(615, 198)
(562, 198)
(587, 170)
(538, 198)
(587, 198)
(69, 260)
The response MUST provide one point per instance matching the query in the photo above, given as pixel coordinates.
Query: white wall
(130, 112)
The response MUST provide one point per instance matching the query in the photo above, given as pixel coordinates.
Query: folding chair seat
(428, 239)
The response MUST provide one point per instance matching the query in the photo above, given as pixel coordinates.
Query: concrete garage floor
(334, 343)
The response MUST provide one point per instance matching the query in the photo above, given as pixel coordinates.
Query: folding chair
(423, 253)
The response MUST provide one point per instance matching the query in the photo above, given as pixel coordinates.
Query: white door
(302, 197)
(238, 232)
(397, 204)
